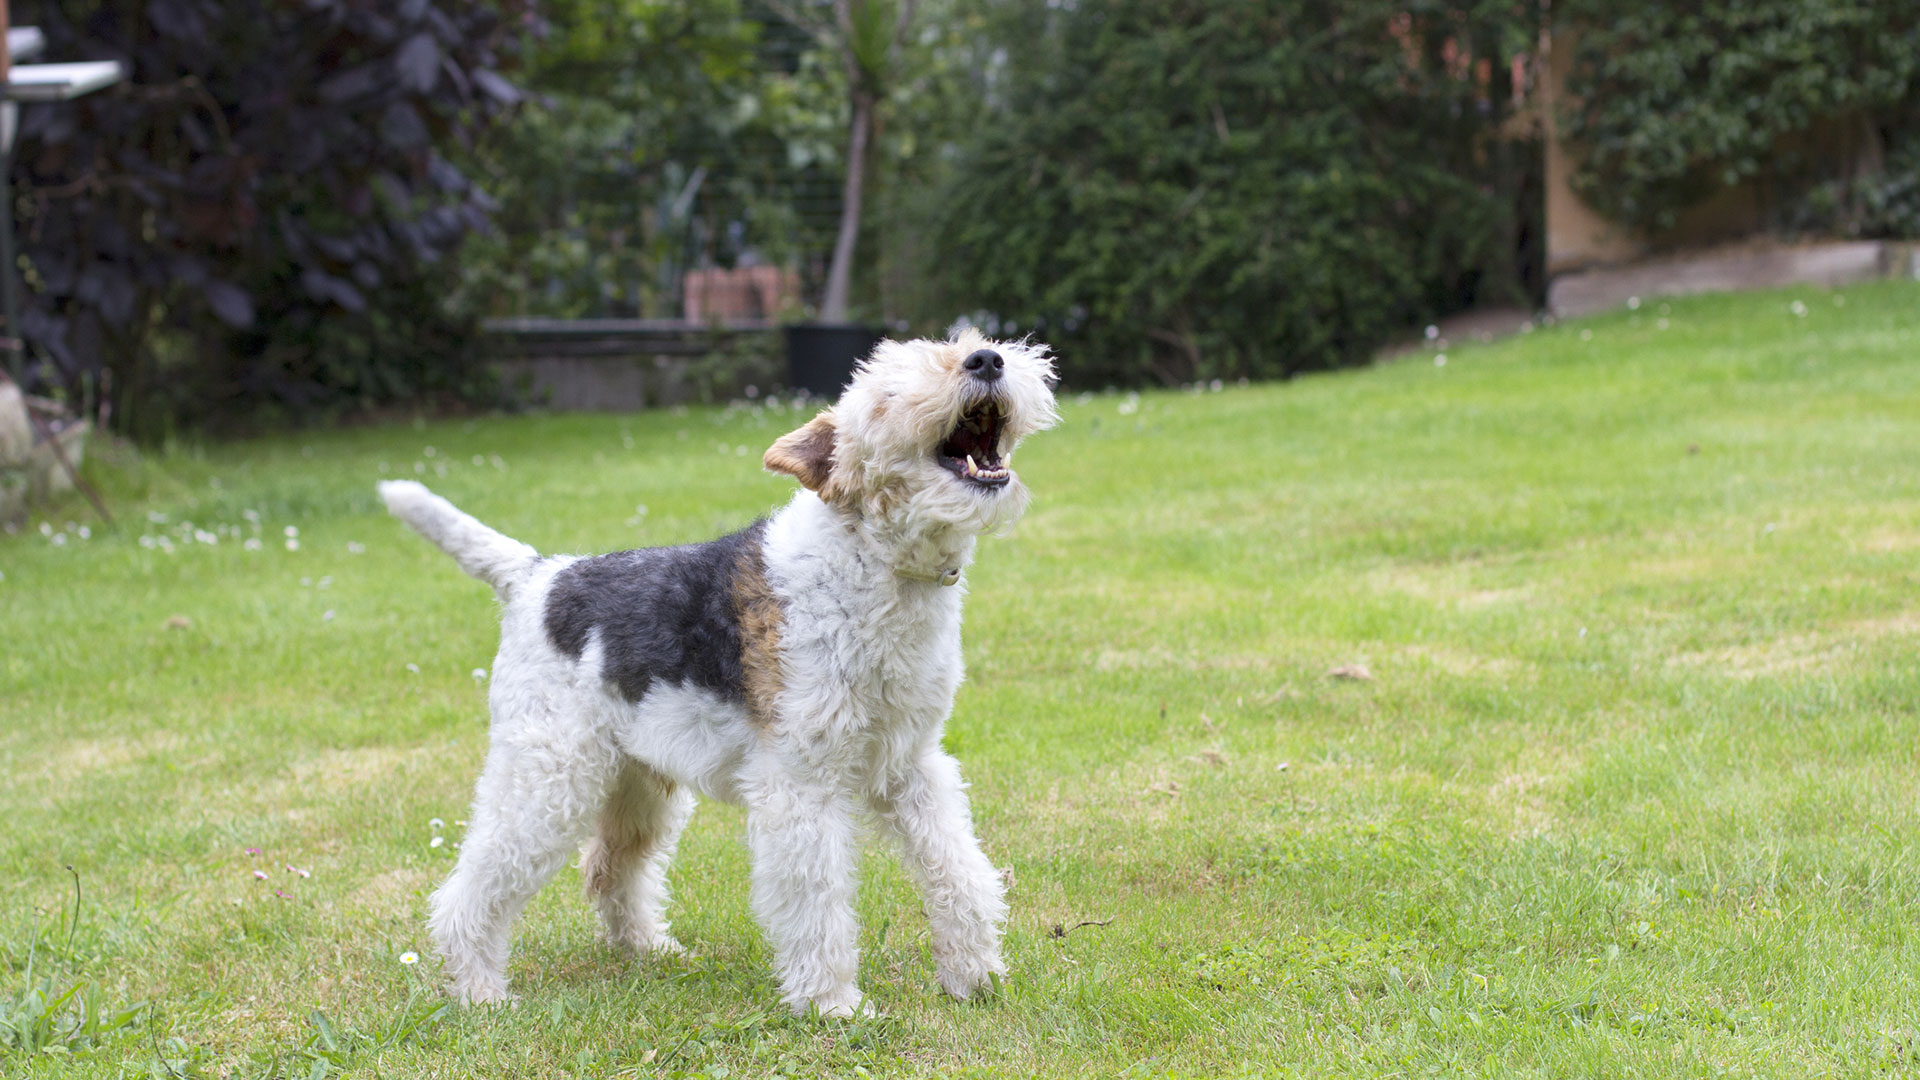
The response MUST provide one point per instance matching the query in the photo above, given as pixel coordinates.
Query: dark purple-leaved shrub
(258, 221)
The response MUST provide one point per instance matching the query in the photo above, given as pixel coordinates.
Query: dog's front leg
(926, 807)
(800, 829)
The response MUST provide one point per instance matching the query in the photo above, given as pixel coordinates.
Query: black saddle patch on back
(662, 613)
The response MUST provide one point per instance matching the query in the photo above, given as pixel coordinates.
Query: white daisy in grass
(436, 841)
(409, 958)
(436, 824)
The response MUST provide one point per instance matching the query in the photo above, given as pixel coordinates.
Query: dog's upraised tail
(497, 559)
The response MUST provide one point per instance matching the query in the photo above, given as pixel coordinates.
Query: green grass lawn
(1633, 789)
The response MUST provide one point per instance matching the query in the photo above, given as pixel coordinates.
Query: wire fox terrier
(803, 667)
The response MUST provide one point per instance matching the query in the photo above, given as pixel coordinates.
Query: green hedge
(1171, 190)
(1815, 102)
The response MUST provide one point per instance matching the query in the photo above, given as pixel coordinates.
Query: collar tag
(950, 577)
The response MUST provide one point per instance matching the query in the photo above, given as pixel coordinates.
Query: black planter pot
(821, 356)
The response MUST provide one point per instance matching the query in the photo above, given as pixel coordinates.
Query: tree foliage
(1175, 190)
(1674, 102)
(660, 135)
(262, 216)
(663, 135)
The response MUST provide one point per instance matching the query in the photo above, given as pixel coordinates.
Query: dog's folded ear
(805, 454)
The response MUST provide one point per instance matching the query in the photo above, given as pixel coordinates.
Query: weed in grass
(48, 1008)
(49, 1014)
(332, 1048)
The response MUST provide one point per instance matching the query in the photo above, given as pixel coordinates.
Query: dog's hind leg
(625, 863)
(534, 800)
(926, 808)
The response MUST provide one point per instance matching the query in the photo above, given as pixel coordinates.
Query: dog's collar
(949, 576)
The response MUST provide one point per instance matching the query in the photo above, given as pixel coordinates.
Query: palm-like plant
(868, 36)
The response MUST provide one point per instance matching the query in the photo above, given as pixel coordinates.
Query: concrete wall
(1731, 269)
(607, 365)
(1578, 238)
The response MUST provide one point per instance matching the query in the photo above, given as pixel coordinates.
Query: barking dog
(803, 667)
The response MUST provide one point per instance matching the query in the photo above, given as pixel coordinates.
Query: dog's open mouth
(972, 452)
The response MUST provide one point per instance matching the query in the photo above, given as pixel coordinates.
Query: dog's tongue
(976, 439)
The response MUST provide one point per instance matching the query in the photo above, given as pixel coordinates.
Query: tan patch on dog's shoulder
(761, 617)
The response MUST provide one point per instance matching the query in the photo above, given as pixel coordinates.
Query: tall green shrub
(260, 219)
(1815, 102)
(1176, 189)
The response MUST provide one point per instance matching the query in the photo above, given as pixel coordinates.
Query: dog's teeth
(972, 469)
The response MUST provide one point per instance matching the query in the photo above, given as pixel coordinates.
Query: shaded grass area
(1631, 788)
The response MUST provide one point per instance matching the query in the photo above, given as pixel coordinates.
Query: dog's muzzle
(985, 365)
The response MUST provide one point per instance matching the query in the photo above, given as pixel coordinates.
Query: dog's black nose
(985, 364)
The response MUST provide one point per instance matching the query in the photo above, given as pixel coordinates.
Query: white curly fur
(869, 660)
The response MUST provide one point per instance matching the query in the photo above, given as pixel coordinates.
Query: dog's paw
(662, 945)
(649, 944)
(483, 995)
(844, 1003)
(963, 980)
